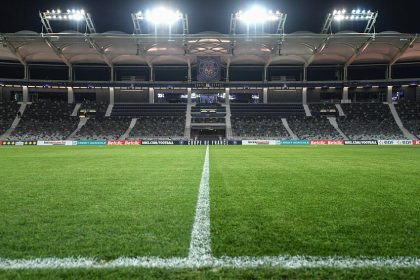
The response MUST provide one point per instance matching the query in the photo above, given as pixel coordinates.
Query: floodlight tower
(355, 15)
(160, 16)
(67, 16)
(258, 16)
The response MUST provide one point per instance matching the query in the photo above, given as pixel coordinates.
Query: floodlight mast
(159, 16)
(69, 16)
(258, 16)
(350, 16)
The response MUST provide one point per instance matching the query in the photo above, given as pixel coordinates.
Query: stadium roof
(300, 48)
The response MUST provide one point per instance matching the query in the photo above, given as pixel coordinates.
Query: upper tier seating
(409, 113)
(138, 109)
(283, 110)
(46, 121)
(8, 111)
(369, 121)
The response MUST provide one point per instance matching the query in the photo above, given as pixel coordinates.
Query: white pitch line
(286, 262)
(200, 246)
(200, 252)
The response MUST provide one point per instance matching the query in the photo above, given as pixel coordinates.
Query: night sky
(211, 15)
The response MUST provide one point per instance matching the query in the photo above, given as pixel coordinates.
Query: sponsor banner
(26, 143)
(8, 143)
(203, 142)
(1, 142)
(91, 142)
(124, 142)
(293, 142)
(159, 142)
(416, 142)
(395, 142)
(57, 143)
(259, 142)
(327, 142)
(234, 142)
(360, 142)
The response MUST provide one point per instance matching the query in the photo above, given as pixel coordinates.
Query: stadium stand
(250, 121)
(103, 128)
(155, 121)
(158, 127)
(8, 111)
(316, 128)
(409, 113)
(46, 121)
(369, 121)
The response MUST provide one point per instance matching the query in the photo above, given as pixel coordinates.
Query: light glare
(162, 15)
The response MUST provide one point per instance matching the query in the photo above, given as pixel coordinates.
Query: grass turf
(319, 201)
(108, 202)
(103, 202)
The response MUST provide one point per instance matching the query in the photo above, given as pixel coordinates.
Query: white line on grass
(200, 246)
(286, 262)
(200, 251)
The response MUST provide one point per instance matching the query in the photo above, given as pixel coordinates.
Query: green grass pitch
(108, 202)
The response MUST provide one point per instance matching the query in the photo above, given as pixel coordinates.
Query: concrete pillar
(389, 94)
(26, 72)
(265, 95)
(189, 73)
(227, 96)
(305, 96)
(152, 76)
(345, 73)
(25, 93)
(345, 95)
(265, 73)
(151, 95)
(70, 95)
(227, 72)
(112, 74)
(189, 90)
(305, 73)
(389, 72)
(111, 96)
(70, 73)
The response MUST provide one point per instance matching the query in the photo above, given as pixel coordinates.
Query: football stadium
(172, 152)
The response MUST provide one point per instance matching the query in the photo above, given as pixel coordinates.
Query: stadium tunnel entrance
(208, 133)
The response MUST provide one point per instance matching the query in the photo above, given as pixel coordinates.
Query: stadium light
(71, 15)
(347, 16)
(160, 16)
(257, 15)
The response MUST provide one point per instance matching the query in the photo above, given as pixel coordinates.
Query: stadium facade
(212, 85)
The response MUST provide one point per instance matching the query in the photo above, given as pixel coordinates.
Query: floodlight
(355, 15)
(257, 15)
(69, 15)
(160, 16)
